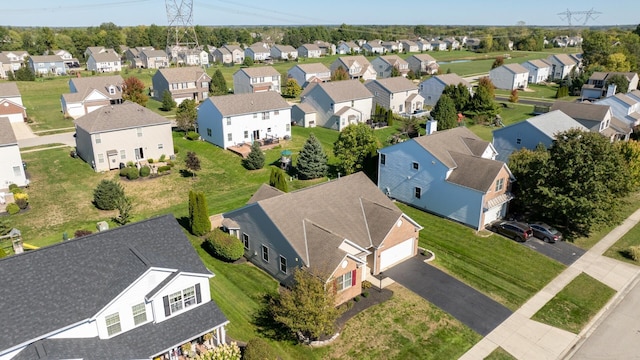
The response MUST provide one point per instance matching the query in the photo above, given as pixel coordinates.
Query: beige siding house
(256, 79)
(182, 82)
(119, 134)
(397, 93)
(304, 74)
(357, 66)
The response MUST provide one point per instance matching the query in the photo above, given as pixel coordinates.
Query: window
(100, 158)
(265, 115)
(345, 281)
(113, 324)
(175, 301)
(246, 134)
(16, 171)
(245, 240)
(189, 296)
(518, 141)
(268, 130)
(383, 159)
(499, 184)
(228, 121)
(288, 127)
(353, 103)
(98, 140)
(283, 264)
(139, 132)
(160, 146)
(417, 192)
(276, 112)
(139, 314)
(255, 115)
(123, 154)
(229, 137)
(208, 132)
(415, 166)
(265, 253)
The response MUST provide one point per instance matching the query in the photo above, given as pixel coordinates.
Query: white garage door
(15, 118)
(493, 214)
(396, 254)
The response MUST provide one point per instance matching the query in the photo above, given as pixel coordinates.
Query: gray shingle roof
(105, 57)
(260, 71)
(116, 117)
(424, 57)
(346, 90)
(142, 342)
(264, 192)
(313, 68)
(310, 47)
(7, 136)
(451, 79)
(516, 68)
(237, 104)
(46, 58)
(154, 53)
(582, 111)
(474, 172)
(396, 84)
(9, 89)
(101, 83)
(441, 143)
(554, 122)
(182, 74)
(564, 59)
(539, 63)
(59, 285)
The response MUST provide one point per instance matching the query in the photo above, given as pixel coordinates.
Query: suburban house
(438, 45)
(310, 51)
(138, 291)
(132, 56)
(422, 64)
(539, 70)
(345, 229)
(69, 60)
(11, 103)
(452, 43)
(326, 48)
(383, 65)
(283, 52)
(397, 93)
(561, 65)
(374, 47)
(452, 173)
(424, 45)
(193, 57)
(304, 115)
(5, 66)
(228, 54)
(256, 79)
(596, 118)
(409, 46)
(234, 119)
(625, 107)
(104, 61)
(357, 66)
(95, 50)
(257, 53)
(339, 103)
(154, 59)
(431, 89)
(183, 83)
(15, 58)
(472, 44)
(305, 74)
(598, 83)
(509, 77)
(47, 65)
(118, 134)
(91, 93)
(11, 169)
(391, 46)
(528, 134)
(348, 47)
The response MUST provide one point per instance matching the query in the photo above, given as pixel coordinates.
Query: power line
(569, 16)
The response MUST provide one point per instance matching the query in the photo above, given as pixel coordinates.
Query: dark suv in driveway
(512, 229)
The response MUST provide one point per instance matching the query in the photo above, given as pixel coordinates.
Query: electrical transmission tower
(569, 16)
(180, 33)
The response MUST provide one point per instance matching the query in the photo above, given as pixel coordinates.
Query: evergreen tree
(25, 74)
(339, 74)
(218, 85)
(107, 194)
(255, 159)
(499, 61)
(278, 179)
(445, 113)
(389, 116)
(248, 61)
(186, 115)
(198, 216)
(483, 102)
(459, 94)
(312, 160)
(167, 101)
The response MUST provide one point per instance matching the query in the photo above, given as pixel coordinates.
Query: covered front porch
(196, 346)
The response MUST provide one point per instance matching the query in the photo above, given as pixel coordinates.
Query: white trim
(197, 336)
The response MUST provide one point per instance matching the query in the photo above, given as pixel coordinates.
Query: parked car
(545, 232)
(515, 230)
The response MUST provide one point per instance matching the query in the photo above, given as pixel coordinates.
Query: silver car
(545, 232)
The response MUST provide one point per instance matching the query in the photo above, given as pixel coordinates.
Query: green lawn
(499, 354)
(619, 250)
(534, 91)
(501, 268)
(510, 115)
(573, 307)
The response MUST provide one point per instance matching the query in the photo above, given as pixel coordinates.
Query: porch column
(223, 335)
(217, 336)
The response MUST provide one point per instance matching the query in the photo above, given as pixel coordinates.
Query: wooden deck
(245, 148)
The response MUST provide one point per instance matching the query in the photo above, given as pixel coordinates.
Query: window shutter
(353, 277)
(167, 309)
(198, 296)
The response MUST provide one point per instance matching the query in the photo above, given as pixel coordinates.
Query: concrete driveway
(561, 251)
(463, 302)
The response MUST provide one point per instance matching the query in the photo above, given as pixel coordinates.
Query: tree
(198, 215)
(192, 163)
(291, 88)
(445, 113)
(255, 159)
(312, 160)
(24, 74)
(618, 62)
(483, 102)
(218, 85)
(499, 61)
(395, 72)
(308, 306)
(630, 151)
(459, 94)
(354, 145)
(409, 126)
(339, 74)
(620, 81)
(167, 101)
(513, 98)
(248, 61)
(278, 179)
(107, 194)
(134, 90)
(124, 206)
(186, 115)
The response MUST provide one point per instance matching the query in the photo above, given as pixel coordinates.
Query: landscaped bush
(16, 190)
(192, 135)
(133, 173)
(365, 294)
(13, 208)
(13, 186)
(366, 285)
(22, 200)
(2, 253)
(107, 194)
(224, 246)
(150, 161)
(634, 252)
(145, 171)
(176, 149)
(164, 168)
(258, 349)
(124, 171)
(163, 157)
(82, 232)
(131, 164)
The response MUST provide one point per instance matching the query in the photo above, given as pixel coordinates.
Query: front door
(256, 135)
(139, 153)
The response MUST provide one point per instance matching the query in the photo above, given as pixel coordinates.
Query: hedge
(224, 246)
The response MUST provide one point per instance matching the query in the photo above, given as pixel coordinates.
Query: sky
(80, 13)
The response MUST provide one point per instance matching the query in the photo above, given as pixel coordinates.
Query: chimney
(432, 126)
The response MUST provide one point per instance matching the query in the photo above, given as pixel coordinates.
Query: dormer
(112, 89)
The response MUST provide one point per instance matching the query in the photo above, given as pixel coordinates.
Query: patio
(245, 148)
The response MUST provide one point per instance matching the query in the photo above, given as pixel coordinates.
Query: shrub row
(224, 246)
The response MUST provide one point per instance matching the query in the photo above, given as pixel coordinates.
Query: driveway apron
(471, 307)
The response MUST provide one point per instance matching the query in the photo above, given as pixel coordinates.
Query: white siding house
(106, 61)
(384, 65)
(397, 93)
(11, 169)
(509, 77)
(431, 89)
(244, 118)
(539, 70)
(256, 79)
(11, 102)
(283, 52)
(357, 66)
(305, 74)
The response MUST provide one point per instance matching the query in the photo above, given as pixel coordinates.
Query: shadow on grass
(626, 254)
(186, 173)
(267, 325)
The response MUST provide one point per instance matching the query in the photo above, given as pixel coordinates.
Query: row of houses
(518, 76)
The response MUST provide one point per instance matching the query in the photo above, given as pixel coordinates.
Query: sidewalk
(528, 339)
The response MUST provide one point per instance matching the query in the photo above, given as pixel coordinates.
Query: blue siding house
(452, 173)
(48, 64)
